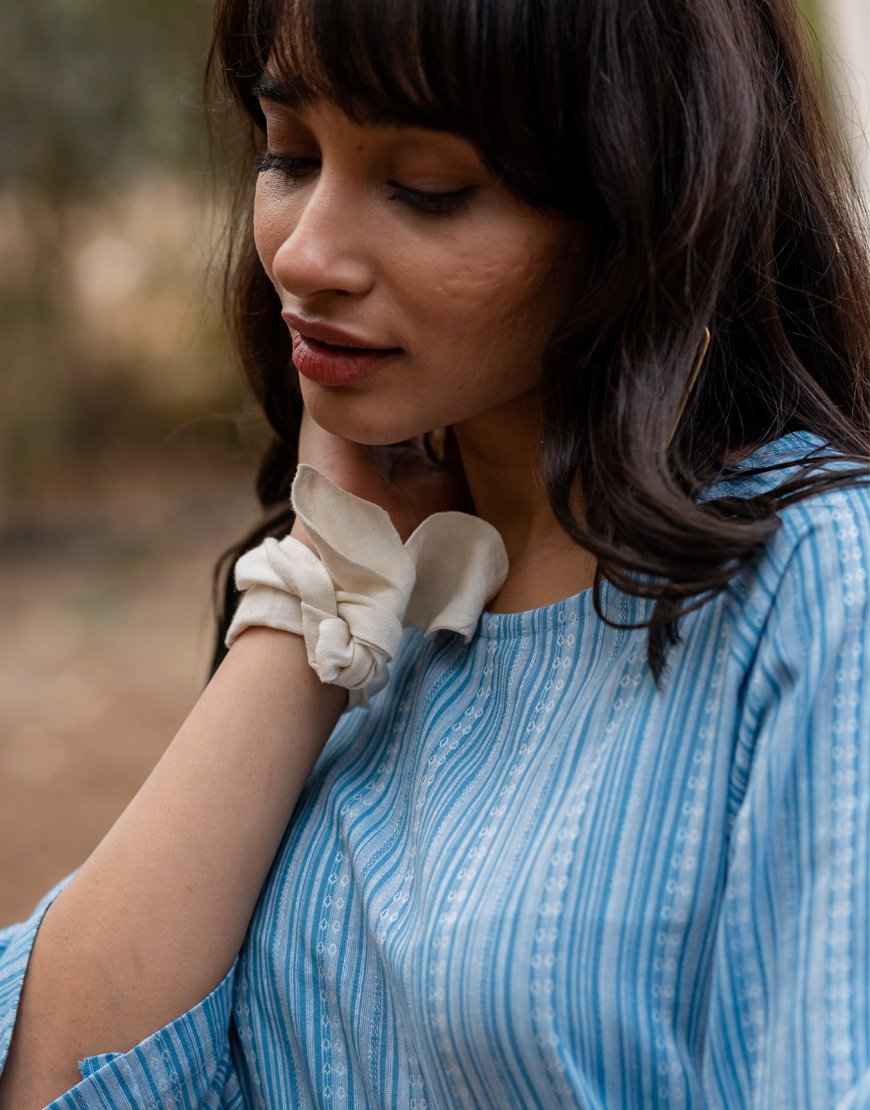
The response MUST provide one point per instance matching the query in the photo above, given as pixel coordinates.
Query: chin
(348, 417)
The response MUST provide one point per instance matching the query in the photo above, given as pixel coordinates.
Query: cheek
(503, 295)
(270, 224)
(488, 274)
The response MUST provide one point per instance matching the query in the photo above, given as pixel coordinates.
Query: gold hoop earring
(690, 385)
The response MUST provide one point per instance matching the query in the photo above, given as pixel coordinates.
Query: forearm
(155, 917)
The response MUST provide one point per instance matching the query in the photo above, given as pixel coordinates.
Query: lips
(331, 356)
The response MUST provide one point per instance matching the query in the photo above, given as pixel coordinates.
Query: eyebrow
(290, 95)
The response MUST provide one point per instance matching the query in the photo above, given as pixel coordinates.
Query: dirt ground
(105, 636)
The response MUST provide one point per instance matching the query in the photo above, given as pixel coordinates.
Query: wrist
(272, 654)
(346, 582)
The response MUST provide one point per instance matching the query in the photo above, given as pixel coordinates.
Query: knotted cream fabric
(352, 602)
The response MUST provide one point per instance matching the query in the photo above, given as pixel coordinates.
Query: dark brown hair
(692, 138)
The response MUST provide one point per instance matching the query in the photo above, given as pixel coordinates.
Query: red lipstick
(331, 356)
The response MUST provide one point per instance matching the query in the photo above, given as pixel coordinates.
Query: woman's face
(420, 293)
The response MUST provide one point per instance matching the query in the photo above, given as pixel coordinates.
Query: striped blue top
(528, 877)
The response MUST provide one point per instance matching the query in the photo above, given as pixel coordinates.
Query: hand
(401, 477)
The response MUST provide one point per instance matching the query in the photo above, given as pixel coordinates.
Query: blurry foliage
(113, 345)
(96, 91)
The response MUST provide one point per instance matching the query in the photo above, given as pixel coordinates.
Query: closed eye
(292, 169)
(430, 202)
(436, 203)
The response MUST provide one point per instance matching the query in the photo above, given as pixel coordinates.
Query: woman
(608, 844)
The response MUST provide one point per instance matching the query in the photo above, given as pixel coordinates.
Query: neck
(501, 457)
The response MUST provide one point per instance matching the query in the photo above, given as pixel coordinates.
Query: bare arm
(155, 917)
(153, 920)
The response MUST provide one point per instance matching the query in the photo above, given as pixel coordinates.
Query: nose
(323, 243)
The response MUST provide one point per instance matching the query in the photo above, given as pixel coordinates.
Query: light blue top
(526, 877)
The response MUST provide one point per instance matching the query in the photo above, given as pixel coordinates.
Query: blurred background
(127, 445)
(127, 448)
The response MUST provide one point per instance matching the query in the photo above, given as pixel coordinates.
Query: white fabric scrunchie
(351, 604)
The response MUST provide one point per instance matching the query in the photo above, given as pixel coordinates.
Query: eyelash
(430, 203)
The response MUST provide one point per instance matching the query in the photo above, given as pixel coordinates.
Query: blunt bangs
(692, 141)
(442, 64)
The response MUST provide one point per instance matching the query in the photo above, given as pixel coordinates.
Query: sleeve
(188, 1064)
(789, 1013)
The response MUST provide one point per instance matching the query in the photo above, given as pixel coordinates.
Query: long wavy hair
(694, 141)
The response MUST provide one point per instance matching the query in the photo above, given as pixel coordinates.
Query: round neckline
(579, 607)
(570, 610)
